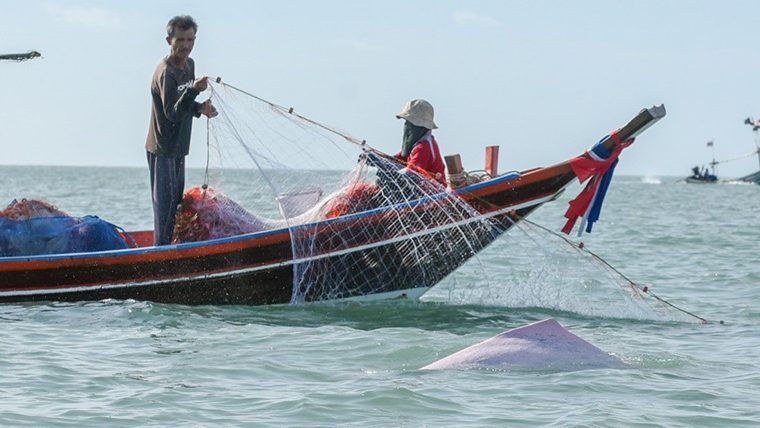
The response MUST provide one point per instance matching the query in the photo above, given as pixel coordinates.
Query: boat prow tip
(657, 111)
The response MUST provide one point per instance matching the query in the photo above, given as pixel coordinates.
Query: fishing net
(539, 268)
(359, 222)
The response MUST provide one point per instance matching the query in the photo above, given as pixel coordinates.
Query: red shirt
(427, 157)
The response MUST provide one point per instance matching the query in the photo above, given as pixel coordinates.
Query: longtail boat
(755, 176)
(704, 177)
(258, 268)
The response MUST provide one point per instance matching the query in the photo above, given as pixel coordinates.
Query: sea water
(132, 363)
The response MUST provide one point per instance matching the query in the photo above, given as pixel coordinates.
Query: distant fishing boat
(751, 178)
(703, 176)
(755, 176)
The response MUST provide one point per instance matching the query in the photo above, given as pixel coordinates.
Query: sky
(544, 80)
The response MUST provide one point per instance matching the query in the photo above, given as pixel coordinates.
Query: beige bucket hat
(419, 112)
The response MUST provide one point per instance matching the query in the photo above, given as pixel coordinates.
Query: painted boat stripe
(256, 235)
(237, 272)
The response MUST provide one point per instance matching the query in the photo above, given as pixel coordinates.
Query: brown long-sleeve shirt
(173, 108)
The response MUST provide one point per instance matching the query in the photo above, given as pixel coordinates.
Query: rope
(465, 178)
(644, 289)
(208, 152)
(752, 153)
(457, 179)
(239, 139)
(347, 137)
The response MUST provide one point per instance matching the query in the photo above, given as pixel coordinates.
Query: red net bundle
(30, 208)
(355, 198)
(209, 214)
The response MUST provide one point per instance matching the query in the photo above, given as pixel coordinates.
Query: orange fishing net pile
(209, 214)
(356, 198)
(31, 208)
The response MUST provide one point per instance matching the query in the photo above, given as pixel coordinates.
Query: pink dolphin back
(543, 345)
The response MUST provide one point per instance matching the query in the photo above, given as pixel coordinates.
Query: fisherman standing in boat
(173, 91)
(419, 149)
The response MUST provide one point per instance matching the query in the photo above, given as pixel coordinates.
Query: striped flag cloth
(599, 165)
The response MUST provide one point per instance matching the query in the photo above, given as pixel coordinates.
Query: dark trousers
(167, 183)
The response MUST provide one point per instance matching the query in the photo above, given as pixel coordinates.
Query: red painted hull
(253, 269)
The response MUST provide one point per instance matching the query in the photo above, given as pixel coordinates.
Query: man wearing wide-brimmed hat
(419, 148)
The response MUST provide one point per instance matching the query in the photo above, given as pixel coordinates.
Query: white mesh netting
(360, 223)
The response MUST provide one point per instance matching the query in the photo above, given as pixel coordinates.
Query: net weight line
(643, 289)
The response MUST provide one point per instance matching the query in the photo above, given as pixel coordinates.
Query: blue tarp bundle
(57, 235)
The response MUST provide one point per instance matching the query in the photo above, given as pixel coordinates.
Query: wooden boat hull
(251, 269)
(751, 178)
(257, 269)
(693, 180)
